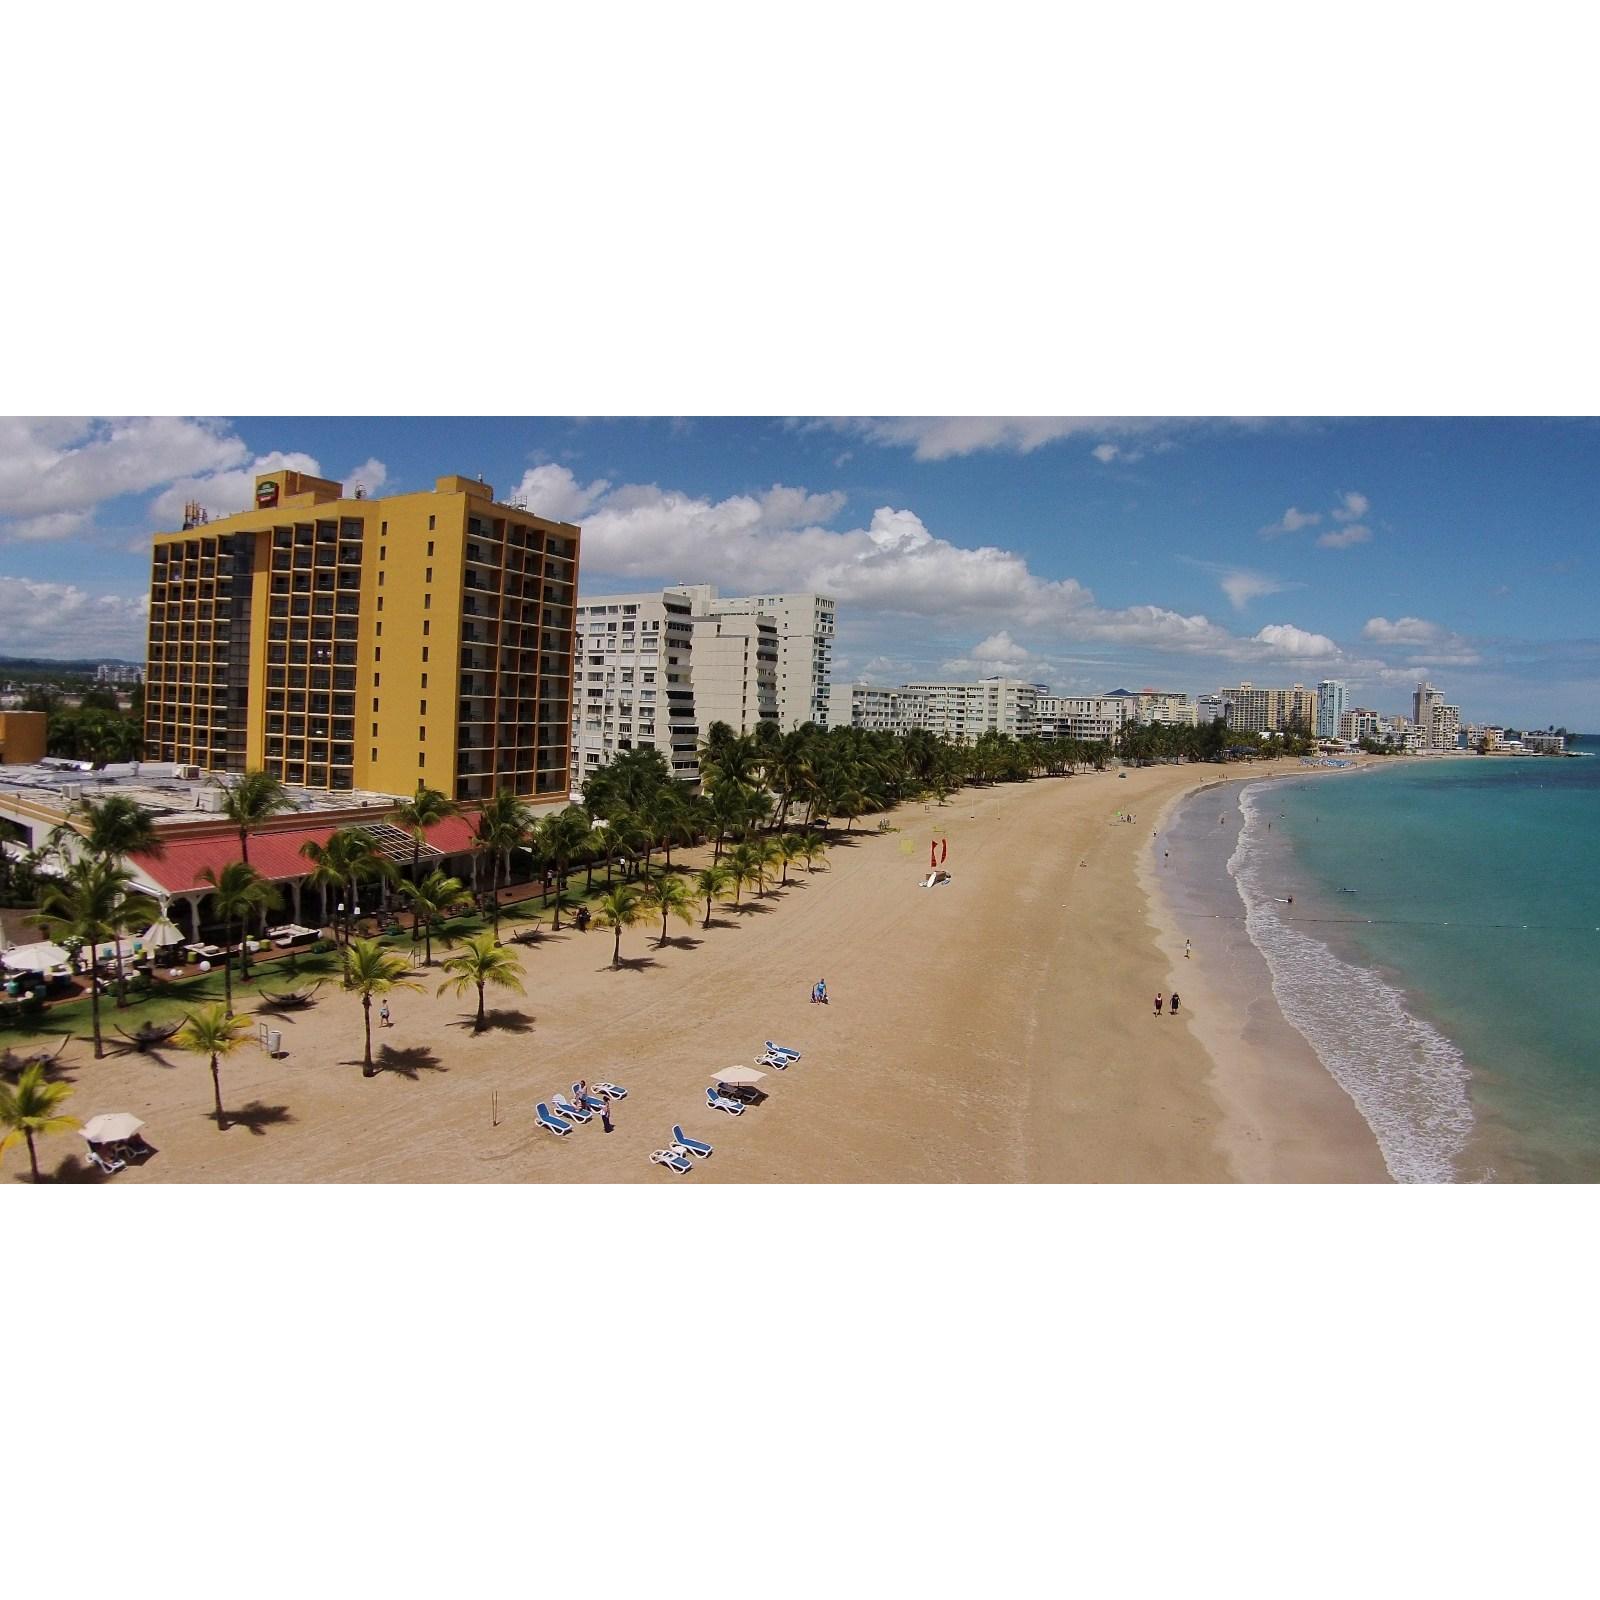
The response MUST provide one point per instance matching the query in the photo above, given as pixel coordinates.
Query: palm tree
(791, 847)
(425, 808)
(214, 1031)
(238, 892)
(712, 882)
(670, 895)
(503, 826)
(113, 829)
(349, 858)
(619, 909)
(742, 867)
(85, 909)
(371, 970)
(431, 902)
(483, 961)
(31, 1109)
(769, 852)
(250, 801)
(812, 847)
(671, 820)
(560, 838)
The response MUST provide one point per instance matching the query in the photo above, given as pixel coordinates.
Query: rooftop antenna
(519, 502)
(195, 515)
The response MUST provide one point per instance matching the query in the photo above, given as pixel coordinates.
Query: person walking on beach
(1174, 1002)
(1185, 949)
(605, 1113)
(1160, 1004)
(384, 1019)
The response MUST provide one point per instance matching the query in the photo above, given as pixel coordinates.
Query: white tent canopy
(159, 934)
(35, 957)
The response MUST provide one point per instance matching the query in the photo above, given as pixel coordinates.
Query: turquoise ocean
(1442, 953)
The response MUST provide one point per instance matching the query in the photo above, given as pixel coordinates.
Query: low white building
(1081, 716)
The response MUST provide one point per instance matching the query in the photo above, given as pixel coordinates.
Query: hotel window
(377, 655)
(380, 602)
(422, 708)
(374, 726)
(424, 680)
(430, 530)
(380, 580)
(374, 708)
(424, 627)
(422, 760)
(422, 735)
(424, 652)
(427, 602)
(427, 577)
(374, 752)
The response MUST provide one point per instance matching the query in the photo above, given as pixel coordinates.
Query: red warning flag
(944, 850)
(933, 855)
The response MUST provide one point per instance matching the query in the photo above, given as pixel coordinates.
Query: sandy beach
(998, 1029)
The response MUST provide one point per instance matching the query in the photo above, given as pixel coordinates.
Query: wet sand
(998, 1029)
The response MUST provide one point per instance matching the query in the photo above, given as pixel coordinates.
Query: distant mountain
(78, 664)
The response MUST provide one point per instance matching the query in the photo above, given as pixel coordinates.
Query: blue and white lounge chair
(720, 1102)
(565, 1108)
(695, 1147)
(593, 1102)
(670, 1158)
(612, 1091)
(554, 1124)
(777, 1063)
(782, 1050)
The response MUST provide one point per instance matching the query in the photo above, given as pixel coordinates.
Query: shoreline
(1285, 1116)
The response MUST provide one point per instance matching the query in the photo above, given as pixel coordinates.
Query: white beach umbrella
(739, 1075)
(110, 1126)
(35, 957)
(160, 934)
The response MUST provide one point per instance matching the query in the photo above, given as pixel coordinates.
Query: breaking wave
(1407, 1079)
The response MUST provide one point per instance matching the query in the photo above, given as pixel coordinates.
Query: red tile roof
(274, 852)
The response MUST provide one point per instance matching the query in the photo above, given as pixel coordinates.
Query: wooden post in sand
(494, 1108)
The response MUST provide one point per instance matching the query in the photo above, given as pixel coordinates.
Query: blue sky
(1084, 553)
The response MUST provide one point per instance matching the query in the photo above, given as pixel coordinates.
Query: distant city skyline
(1081, 553)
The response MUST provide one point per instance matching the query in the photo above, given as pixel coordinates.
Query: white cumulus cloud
(1292, 521)
(59, 620)
(1343, 538)
(1351, 507)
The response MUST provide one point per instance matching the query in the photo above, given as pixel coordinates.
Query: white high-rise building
(963, 711)
(1331, 700)
(804, 630)
(631, 684)
(1423, 700)
(735, 672)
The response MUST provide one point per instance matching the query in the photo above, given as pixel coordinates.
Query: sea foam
(1407, 1079)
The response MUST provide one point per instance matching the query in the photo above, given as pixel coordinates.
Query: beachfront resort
(288, 878)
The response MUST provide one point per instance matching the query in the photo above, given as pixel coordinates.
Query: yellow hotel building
(342, 642)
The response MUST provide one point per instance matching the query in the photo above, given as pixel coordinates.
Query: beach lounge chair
(108, 1164)
(671, 1158)
(554, 1124)
(593, 1102)
(612, 1091)
(565, 1108)
(781, 1050)
(695, 1147)
(720, 1102)
(777, 1063)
